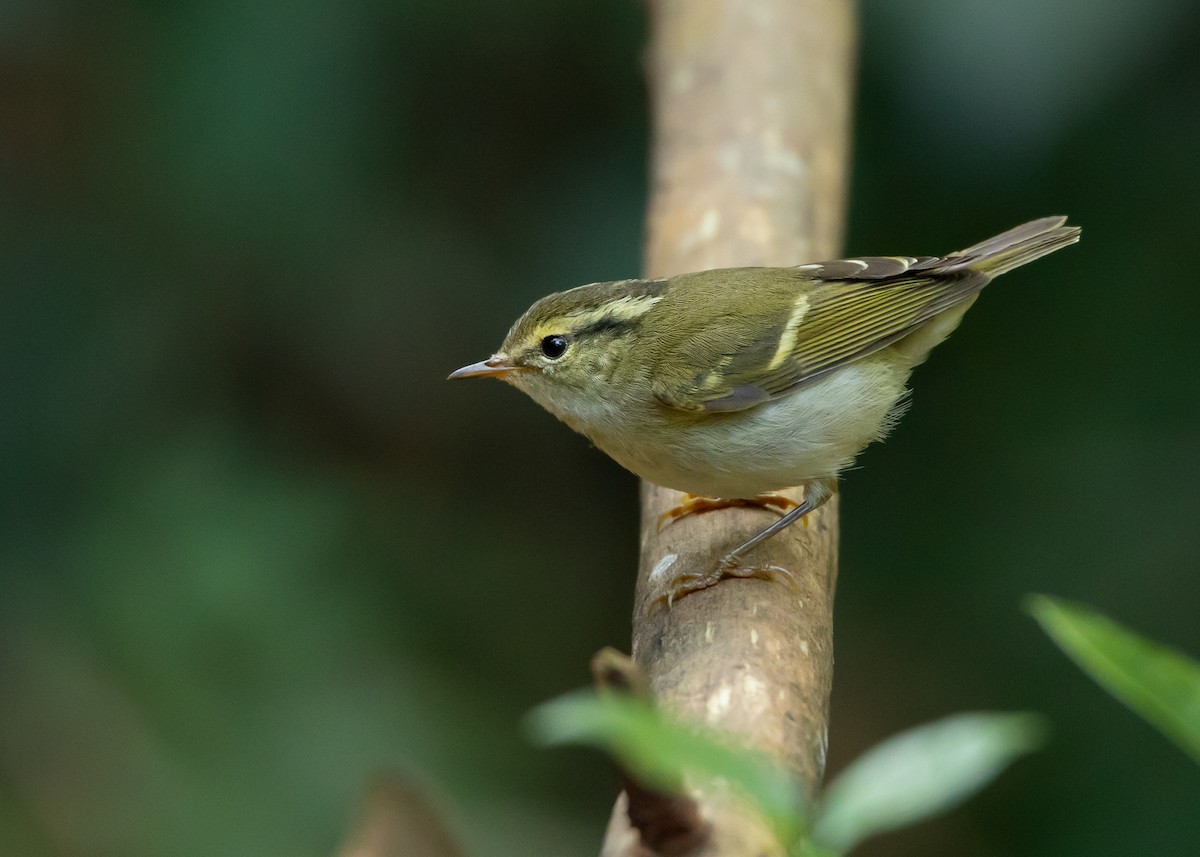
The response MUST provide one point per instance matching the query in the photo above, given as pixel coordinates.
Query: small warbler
(737, 382)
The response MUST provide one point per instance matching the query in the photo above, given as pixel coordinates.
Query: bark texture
(751, 111)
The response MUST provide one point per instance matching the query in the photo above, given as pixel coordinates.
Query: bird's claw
(695, 581)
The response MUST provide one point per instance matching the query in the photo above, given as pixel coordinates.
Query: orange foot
(693, 505)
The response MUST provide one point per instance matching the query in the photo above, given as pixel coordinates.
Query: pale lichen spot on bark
(755, 227)
(663, 564)
(708, 633)
(718, 703)
(780, 155)
(729, 158)
(754, 688)
(702, 233)
(683, 79)
(754, 637)
(804, 647)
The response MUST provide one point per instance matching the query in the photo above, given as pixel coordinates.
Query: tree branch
(751, 104)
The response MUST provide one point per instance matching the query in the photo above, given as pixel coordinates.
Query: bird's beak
(497, 364)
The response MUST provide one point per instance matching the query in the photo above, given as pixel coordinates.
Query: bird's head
(567, 348)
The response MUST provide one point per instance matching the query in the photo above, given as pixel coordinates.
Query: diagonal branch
(751, 105)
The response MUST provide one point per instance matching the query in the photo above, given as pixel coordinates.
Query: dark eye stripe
(608, 324)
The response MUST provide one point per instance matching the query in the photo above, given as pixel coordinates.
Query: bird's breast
(813, 432)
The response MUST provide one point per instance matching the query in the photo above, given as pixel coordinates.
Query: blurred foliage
(252, 548)
(1158, 683)
(912, 776)
(659, 751)
(920, 773)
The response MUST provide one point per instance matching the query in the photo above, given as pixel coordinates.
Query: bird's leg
(694, 505)
(816, 494)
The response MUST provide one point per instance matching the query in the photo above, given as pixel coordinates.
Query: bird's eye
(554, 346)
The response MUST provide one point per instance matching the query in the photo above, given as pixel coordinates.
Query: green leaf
(1154, 680)
(920, 773)
(657, 750)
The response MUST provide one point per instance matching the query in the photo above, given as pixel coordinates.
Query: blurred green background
(252, 547)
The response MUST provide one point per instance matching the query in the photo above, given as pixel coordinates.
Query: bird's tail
(1014, 248)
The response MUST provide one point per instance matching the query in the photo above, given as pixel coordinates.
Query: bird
(733, 383)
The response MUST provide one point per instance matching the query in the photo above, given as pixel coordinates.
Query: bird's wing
(842, 311)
